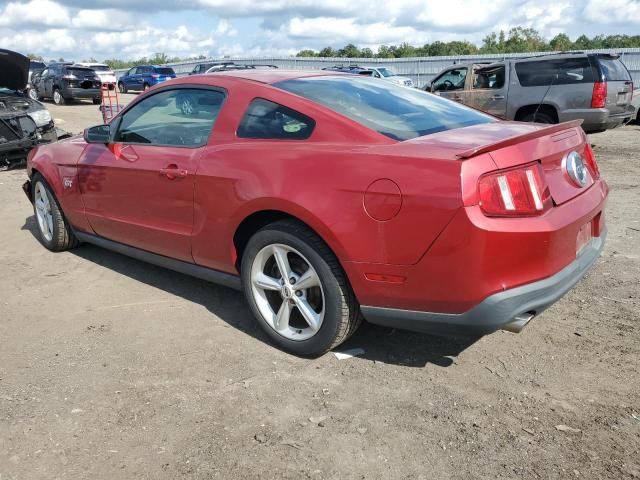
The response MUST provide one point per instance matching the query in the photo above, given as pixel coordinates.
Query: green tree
(327, 52)
(561, 43)
(384, 52)
(349, 51)
(306, 53)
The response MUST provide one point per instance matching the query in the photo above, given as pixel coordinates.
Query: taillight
(518, 192)
(155, 75)
(590, 158)
(69, 77)
(599, 96)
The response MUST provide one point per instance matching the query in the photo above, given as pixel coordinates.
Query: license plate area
(584, 237)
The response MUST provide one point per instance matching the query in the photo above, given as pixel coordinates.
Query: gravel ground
(114, 369)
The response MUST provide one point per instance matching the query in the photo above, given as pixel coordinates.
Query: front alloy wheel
(55, 232)
(297, 289)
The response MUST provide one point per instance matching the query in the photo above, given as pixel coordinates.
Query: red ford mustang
(328, 198)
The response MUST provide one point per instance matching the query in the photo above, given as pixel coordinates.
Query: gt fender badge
(67, 182)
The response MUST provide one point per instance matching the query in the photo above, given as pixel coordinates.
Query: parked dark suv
(63, 82)
(596, 88)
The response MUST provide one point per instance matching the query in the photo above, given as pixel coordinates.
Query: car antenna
(553, 79)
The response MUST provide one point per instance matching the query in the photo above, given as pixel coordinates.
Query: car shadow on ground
(380, 344)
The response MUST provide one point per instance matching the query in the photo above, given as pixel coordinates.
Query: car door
(488, 89)
(450, 84)
(47, 82)
(39, 82)
(138, 188)
(128, 78)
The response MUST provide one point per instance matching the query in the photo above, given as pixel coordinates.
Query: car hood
(14, 70)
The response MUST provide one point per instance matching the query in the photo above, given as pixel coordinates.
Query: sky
(129, 29)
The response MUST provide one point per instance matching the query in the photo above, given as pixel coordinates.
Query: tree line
(516, 40)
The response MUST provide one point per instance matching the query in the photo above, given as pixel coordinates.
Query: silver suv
(547, 89)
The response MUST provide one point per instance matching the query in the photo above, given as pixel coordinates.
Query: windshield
(397, 112)
(385, 72)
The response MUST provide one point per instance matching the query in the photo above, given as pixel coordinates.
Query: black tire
(97, 101)
(122, 88)
(341, 310)
(145, 87)
(540, 117)
(58, 99)
(62, 237)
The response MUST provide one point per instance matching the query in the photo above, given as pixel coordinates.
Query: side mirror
(427, 87)
(97, 134)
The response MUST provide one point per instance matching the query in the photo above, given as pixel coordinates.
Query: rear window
(165, 70)
(266, 119)
(36, 65)
(100, 68)
(398, 112)
(79, 72)
(614, 70)
(564, 71)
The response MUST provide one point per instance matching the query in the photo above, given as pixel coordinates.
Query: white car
(389, 75)
(103, 71)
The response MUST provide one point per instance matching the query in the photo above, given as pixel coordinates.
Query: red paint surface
(449, 254)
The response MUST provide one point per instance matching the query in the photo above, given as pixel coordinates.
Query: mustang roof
(273, 75)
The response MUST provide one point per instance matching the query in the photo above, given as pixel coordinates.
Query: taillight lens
(518, 192)
(69, 77)
(590, 158)
(599, 96)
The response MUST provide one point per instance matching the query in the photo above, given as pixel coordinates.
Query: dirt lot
(114, 369)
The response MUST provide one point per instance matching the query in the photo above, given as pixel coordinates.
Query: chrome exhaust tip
(518, 323)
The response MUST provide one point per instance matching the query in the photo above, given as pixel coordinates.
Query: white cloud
(120, 28)
(35, 12)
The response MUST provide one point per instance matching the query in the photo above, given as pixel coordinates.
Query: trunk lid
(550, 149)
(510, 144)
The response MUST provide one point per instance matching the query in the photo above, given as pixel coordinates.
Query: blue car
(144, 77)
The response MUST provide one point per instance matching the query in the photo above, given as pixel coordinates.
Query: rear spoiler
(519, 138)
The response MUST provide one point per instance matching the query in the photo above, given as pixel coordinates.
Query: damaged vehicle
(24, 122)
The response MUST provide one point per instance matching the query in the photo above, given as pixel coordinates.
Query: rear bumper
(70, 92)
(496, 311)
(596, 119)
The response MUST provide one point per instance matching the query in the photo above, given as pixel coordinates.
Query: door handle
(498, 97)
(172, 172)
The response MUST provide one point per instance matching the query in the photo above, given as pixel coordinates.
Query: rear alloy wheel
(55, 232)
(58, 99)
(297, 289)
(122, 88)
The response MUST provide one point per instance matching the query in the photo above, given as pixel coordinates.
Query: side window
(491, 78)
(265, 119)
(557, 72)
(181, 117)
(450, 80)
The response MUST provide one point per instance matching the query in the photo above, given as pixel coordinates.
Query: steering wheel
(447, 84)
